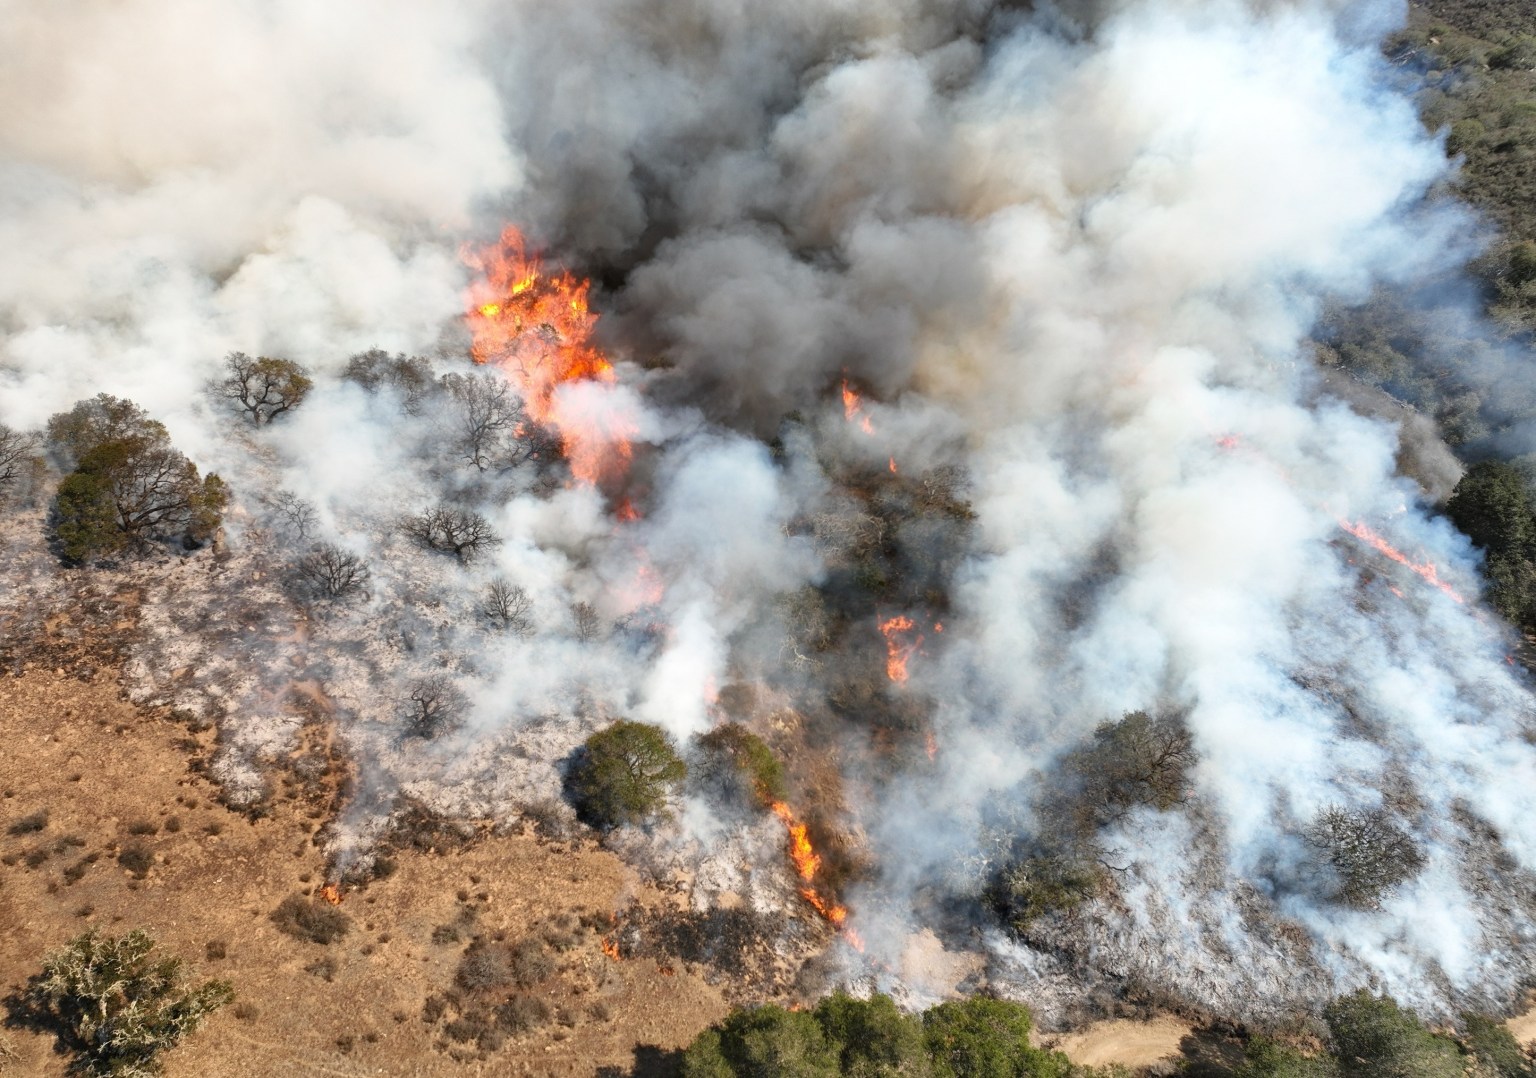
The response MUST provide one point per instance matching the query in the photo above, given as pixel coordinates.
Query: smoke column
(1071, 252)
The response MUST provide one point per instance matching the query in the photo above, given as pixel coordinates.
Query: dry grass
(211, 884)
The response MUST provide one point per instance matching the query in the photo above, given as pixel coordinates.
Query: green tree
(763, 1042)
(987, 1038)
(264, 388)
(738, 762)
(873, 1038)
(1491, 506)
(1375, 1038)
(626, 773)
(129, 485)
(1497, 1051)
(119, 1004)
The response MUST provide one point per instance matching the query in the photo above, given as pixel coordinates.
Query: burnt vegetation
(433, 706)
(329, 572)
(447, 529)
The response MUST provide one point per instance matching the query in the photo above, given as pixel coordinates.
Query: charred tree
(460, 532)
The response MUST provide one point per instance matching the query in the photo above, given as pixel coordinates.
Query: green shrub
(1495, 1047)
(1375, 1038)
(762, 1041)
(987, 1038)
(1464, 135)
(733, 753)
(118, 1004)
(1518, 55)
(1264, 1058)
(873, 1039)
(626, 774)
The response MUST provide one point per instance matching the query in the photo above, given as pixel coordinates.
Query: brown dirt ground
(98, 766)
(1523, 1025)
(1131, 1044)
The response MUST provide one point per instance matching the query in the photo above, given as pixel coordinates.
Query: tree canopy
(626, 773)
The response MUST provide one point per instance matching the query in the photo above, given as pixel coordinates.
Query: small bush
(483, 969)
(314, 922)
(215, 950)
(142, 827)
(521, 1014)
(137, 857)
(445, 934)
(29, 825)
(531, 962)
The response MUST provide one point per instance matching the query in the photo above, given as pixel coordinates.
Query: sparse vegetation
(116, 1004)
(311, 921)
(626, 774)
(29, 824)
(408, 376)
(263, 388)
(137, 857)
(19, 461)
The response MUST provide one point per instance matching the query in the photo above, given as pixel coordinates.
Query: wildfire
(331, 893)
(853, 408)
(807, 863)
(535, 325)
(611, 948)
(897, 651)
(1427, 570)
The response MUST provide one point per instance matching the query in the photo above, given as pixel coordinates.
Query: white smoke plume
(1070, 253)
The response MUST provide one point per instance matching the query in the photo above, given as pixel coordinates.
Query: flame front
(1427, 570)
(331, 893)
(535, 325)
(898, 651)
(807, 863)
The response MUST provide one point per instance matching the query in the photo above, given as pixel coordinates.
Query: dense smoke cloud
(1071, 254)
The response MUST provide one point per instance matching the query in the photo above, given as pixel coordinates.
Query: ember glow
(897, 650)
(853, 409)
(331, 893)
(536, 326)
(1427, 570)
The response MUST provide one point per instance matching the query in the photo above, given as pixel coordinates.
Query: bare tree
(1138, 760)
(433, 706)
(460, 532)
(1368, 853)
(331, 572)
(264, 387)
(587, 622)
(410, 376)
(298, 514)
(488, 417)
(509, 608)
(18, 459)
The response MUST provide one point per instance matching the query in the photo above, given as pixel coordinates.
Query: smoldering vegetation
(961, 441)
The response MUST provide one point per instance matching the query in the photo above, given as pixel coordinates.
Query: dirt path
(1131, 1044)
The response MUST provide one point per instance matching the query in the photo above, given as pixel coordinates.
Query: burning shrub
(460, 532)
(129, 486)
(264, 388)
(493, 429)
(736, 762)
(329, 572)
(117, 1004)
(1368, 854)
(433, 706)
(313, 922)
(626, 774)
(508, 607)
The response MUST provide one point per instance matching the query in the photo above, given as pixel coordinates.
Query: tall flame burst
(535, 325)
(898, 652)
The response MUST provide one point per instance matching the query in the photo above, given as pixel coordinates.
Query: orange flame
(1427, 570)
(807, 863)
(897, 652)
(893, 467)
(535, 326)
(853, 408)
(331, 893)
(611, 948)
(931, 745)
